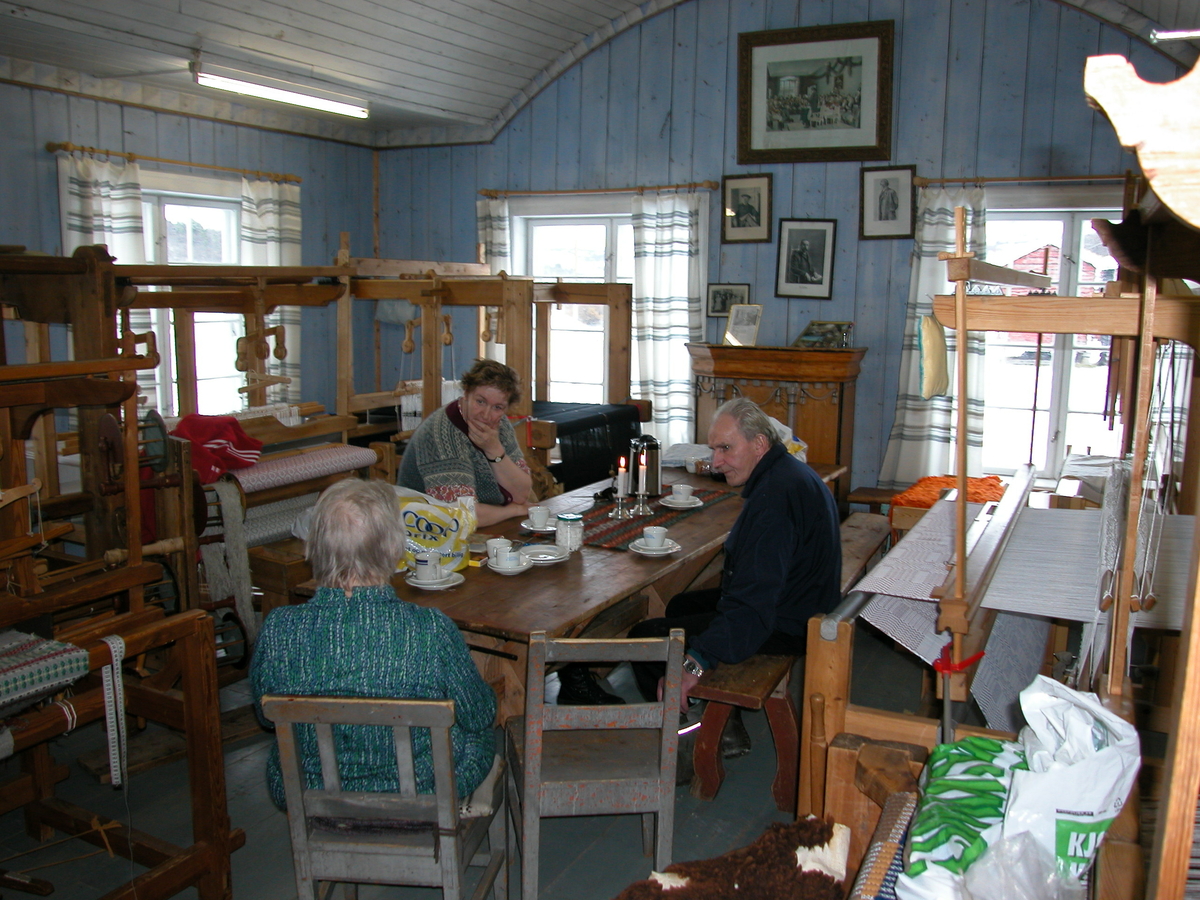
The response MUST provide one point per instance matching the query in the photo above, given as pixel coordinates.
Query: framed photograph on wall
(742, 328)
(723, 296)
(815, 94)
(746, 209)
(888, 203)
(805, 258)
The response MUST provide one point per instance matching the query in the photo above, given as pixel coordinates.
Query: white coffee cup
(509, 558)
(539, 516)
(654, 536)
(497, 545)
(681, 492)
(427, 566)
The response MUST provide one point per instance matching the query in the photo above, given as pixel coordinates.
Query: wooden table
(595, 593)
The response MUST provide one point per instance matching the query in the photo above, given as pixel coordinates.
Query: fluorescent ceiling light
(1157, 36)
(227, 80)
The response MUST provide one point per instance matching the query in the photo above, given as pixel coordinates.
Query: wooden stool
(875, 499)
(758, 682)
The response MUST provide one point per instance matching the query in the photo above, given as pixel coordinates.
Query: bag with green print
(1083, 761)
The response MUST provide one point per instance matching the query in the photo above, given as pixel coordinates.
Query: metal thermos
(648, 446)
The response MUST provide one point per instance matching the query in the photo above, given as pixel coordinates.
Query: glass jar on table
(568, 532)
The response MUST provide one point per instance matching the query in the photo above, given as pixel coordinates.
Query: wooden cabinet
(810, 391)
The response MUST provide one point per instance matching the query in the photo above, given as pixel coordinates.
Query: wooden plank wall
(982, 88)
(335, 192)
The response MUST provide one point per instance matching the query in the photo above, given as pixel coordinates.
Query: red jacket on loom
(218, 445)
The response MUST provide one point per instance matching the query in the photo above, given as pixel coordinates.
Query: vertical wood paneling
(593, 147)
(1040, 83)
(654, 115)
(684, 98)
(622, 97)
(566, 166)
(963, 95)
(543, 147)
(439, 221)
(1073, 118)
(1002, 88)
(981, 87)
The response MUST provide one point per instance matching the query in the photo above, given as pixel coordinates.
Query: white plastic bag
(1082, 760)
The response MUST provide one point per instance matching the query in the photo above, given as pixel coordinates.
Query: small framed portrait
(888, 203)
(723, 296)
(805, 258)
(815, 94)
(742, 328)
(746, 209)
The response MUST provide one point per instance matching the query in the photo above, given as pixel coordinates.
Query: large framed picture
(746, 203)
(742, 328)
(815, 94)
(805, 258)
(721, 297)
(888, 203)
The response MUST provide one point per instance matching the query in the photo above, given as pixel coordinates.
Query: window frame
(529, 213)
(1073, 206)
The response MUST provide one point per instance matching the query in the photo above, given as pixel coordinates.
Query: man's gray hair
(357, 535)
(749, 418)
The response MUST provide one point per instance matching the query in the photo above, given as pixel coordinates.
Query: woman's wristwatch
(496, 459)
(692, 667)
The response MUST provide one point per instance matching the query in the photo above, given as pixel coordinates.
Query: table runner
(617, 534)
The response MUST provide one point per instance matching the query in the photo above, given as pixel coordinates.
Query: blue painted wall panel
(984, 88)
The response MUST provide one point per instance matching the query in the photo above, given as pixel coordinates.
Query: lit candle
(642, 474)
(622, 479)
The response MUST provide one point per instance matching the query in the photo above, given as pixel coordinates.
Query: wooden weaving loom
(1155, 242)
(82, 602)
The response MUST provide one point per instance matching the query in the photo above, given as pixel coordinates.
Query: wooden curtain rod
(133, 157)
(692, 185)
(922, 182)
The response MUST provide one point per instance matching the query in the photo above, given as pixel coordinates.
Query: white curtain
(668, 230)
(492, 228)
(923, 438)
(100, 202)
(270, 236)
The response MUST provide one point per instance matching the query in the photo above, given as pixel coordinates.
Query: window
(196, 223)
(1070, 371)
(593, 246)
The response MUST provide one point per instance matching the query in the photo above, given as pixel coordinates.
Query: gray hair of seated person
(356, 536)
(749, 418)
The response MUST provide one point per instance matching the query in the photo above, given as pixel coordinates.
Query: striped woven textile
(32, 667)
(291, 469)
(617, 534)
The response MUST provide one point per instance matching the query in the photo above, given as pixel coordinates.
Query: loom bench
(762, 681)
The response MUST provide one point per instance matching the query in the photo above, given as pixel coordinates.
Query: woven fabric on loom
(884, 859)
(617, 534)
(273, 521)
(290, 469)
(32, 667)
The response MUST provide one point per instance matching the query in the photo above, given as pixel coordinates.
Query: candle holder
(642, 508)
(621, 512)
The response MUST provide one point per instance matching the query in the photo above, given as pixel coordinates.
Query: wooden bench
(875, 499)
(763, 681)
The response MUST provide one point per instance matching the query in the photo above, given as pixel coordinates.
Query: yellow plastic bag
(432, 524)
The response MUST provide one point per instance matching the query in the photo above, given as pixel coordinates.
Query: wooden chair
(358, 837)
(594, 760)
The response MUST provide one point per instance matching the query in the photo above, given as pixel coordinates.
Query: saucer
(544, 554)
(689, 503)
(550, 528)
(639, 546)
(514, 570)
(454, 579)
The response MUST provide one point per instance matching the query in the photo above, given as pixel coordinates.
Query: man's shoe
(735, 739)
(579, 686)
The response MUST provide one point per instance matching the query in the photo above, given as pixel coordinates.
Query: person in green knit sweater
(356, 638)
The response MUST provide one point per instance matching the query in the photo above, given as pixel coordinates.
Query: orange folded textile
(926, 492)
